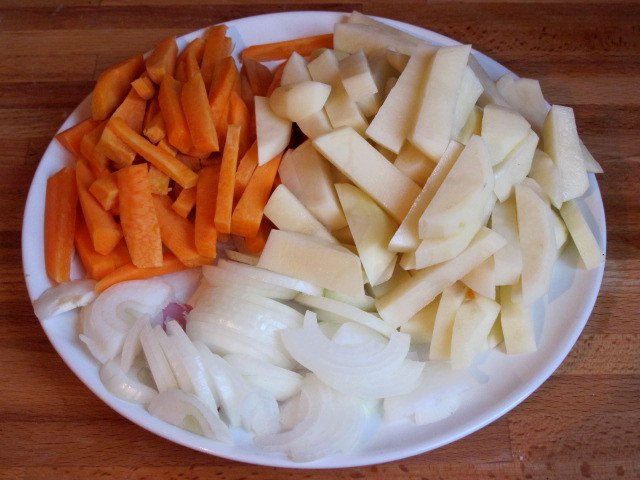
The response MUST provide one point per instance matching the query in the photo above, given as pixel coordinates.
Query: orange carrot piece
(95, 264)
(170, 264)
(239, 115)
(195, 48)
(247, 215)
(246, 168)
(173, 115)
(164, 145)
(138, 217)
(206, 195)
(96, 160)
(155, 129)
(256, 243)
(227, 181)
(282, 50)
(158, 181)
(104, 231)
(162, 60)
(61, 205)
(71, 137)
(132, 111)
(163, 161)
(225, 77)
(112, 86)
(178, 234)
(277, 76)
(245, 91)
(199, 114)
(259, 76)
(191, 66)
(144, 86)
(105, 190)
(216, 47)
(185, 202)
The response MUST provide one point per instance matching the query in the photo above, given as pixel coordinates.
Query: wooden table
(582, 423)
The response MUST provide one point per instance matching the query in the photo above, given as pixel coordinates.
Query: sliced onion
(351, 333)
(345, 312)
(242, 257)
(260, 413)
(329, 423)
(369, 369)
(219, 277)
(363, 302)
(158, 364)
(116, 380)
(177, 407)
(268, 276)
(131, 346)
(171, 353)
(279, 382)
(64, 297)
(184, 283)
(103, 340)
(438, 395)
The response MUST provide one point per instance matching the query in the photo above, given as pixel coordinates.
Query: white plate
(505, 381)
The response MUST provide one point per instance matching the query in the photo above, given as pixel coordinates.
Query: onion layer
(116, 380)
(63, 298)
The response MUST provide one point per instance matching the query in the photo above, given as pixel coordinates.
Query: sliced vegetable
(282, 50)
(112, 86)
(63, 298)
(162, 60)
(71, 137)
(226, 182)
(199, 115)
(206, 195)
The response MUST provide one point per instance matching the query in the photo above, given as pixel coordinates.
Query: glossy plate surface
(504, 381)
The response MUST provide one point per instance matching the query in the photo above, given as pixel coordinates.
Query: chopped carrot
(277, 76)
(158, 181)
(96, 160)
(259, 77)
(246, 168)
(206, 195)
(245, 91)
(104, 231)
(199, 114)
(105, 190)
(162, 60)
(226, 183)
(112, 86)
(225, 76)
(61, 205)
(185, 202)
(155, 130)
(138, 217)
(164, 145)
(95, 264)
(144, 86)
(239, 115)
(247, 214)
(170, 264)
(192, 67)
(132, 111)
(178, 234)
(256, 243)
(215, 48)
(173, 115)
(163, 161)
(195, 48)
(71, 137)
(282, 50)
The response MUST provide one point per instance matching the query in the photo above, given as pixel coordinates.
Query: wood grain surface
(584, 422)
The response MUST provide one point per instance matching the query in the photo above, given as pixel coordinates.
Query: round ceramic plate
(503, 382)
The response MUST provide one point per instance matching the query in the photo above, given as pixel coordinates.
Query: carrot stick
(225, 77)
(226, 183)
(144, 86)
(164, 145)
(178, 234)
(246, 168)
(96, 160)
(104, 231)
(163, 161)
(199, 114)
(112, 86)
(247, 215)
(162, 60)
(259, 76)
(174, 119)
(71, 137)
(239, 115)
(277, 76)
(138, 217)
(155, 130)
(95, 264)
(195, 48)
(158, 181)
(256, 243)
(105, 190)
(282, 50)
(215, 48)
(206, 195)
(61, 204)
(129, 271)
(185, 202)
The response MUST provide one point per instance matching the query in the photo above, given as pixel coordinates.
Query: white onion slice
(328, 423)
(116, 380)
(171, 353)
(363, 302)
(177, 408)
(131, 346)
(260, 413)
(219, 277)
(158, 364)
(184, 283)
(351, 333)
(268, 276)
(64, 297)
(279, 382)
(369, 369)
(438, 395)
(103, 340)
(346, 313)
